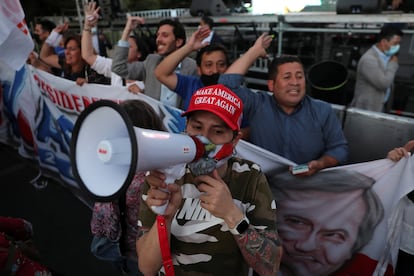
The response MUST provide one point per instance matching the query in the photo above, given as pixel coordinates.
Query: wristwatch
(241, 227)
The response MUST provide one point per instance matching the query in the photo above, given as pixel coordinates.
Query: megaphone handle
(171, 174)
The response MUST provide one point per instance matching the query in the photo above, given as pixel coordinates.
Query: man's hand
(61, 28)
(325, 161)
(196, 39)
(134, 87)
(160, 193)
(80, 81)
(217, 199)
(262, 43)
(397, 153)
(91, 14)
(133, 21)
(313, 167)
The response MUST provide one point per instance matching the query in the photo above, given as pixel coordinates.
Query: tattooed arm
(261, 249)
(260, 244)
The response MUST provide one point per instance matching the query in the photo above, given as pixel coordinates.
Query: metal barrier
(371, 134)
(162, 13)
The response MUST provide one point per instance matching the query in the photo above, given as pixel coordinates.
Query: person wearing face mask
(216, 221)
(213, 38)
(212, 60)
(376, 72)
(42, 30)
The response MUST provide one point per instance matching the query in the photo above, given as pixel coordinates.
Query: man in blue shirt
(288, 122)
(211, 60)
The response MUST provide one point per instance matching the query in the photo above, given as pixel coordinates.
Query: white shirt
(208, 39)
(103, 66)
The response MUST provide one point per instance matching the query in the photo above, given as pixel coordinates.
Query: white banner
(15, 40)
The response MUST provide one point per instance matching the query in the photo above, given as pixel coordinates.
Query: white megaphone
(107, 150)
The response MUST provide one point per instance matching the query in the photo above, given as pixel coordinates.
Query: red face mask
(214, 156)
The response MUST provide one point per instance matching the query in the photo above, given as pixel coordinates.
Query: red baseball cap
(219, 100)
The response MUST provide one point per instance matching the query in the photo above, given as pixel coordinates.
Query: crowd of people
(223, 219)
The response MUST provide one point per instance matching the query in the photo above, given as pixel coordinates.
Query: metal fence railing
(162, 13)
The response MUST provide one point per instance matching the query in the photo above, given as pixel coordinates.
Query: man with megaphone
(220, 216)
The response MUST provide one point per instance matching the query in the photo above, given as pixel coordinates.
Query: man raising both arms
(211, 61)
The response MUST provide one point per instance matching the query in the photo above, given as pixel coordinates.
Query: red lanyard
(164, 246)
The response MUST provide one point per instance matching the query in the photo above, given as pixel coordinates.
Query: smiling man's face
(319, 229)
(289, 86)
(166, 40)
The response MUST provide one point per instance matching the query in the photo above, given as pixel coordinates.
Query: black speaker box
(358, 6)
(208, 7)
(408, 6)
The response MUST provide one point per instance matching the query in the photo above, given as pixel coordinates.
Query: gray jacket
(144, 70)
(372, 81)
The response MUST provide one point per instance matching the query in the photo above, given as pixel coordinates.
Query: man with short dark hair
(288, 122)
(213, 38)
(376, 71)
(212, 60)
(43, 28)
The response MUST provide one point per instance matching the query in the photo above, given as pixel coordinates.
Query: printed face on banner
(324, 220)
(319, 229)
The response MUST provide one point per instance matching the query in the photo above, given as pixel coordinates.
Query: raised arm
(131, 24)
(47, 53)
(243, 63)
(91, 19)
(165, 71)
(120, 54)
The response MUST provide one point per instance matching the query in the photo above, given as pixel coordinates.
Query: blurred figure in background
(138, 50)
(213, 38)
(43, 28)
(73, 66)
(376, 72)
(170, 37)
(18, 255)
(101, 42)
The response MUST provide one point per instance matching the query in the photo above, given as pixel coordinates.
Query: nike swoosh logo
(192, 228)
